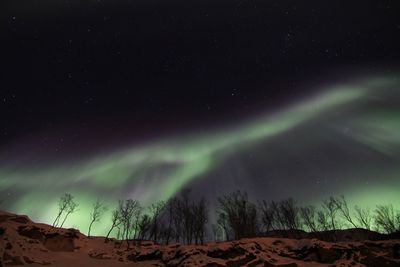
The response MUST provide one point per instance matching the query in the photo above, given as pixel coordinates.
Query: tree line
(184, 220)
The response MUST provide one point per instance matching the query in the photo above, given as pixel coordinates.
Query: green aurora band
(159, 170)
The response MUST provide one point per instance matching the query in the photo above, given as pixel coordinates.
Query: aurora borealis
(342, 140)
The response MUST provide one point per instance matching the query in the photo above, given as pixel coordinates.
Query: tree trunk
(109, 232)
(57, 219)
(127, 239)
(90, 227)
(65, 219)
(54, 223)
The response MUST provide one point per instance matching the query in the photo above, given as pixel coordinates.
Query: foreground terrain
(25, 242)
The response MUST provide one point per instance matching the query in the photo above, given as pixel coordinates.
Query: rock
(20, 219)
(371, 260)
(28, 260)
(1, 255)
(4, 217)
(10, 259)
(8, 246)
(147, 243)
(31, 260)
(149, 255)
(396, 251)
(100, 255)
(270, 264)
(226, 253)
(32, 232)
(326, 255)
(241, 261)
(59, 242)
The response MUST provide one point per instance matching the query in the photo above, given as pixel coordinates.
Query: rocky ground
(24, 242)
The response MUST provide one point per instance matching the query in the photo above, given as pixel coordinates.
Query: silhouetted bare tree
(116, 221)
(278, 222)
(387, 219)
(267, 216)
(180, 219)
(241, 214)
(138, 214)
(184, 220)
(322, 219)
(290, 214)
(68, 205)
(224, 224)
(97, 210)
(188, 217)
(144, 226)
(200, 214)
(217, 232)
(280, 215)
(330, 210)
(63, 203)
(169, 218)
(363, 217)
(71, 209)
(128, 210)
(398, 222)
(341, 205)
(177, 219)
(308, 216)
(156, 211)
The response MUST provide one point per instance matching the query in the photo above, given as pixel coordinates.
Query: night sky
(140, 99)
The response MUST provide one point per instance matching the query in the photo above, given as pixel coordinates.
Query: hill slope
(25, 242)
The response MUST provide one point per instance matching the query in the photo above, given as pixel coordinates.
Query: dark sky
(168, 65)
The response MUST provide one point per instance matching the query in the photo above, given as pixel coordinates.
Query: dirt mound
(24, 242)
(273, 252)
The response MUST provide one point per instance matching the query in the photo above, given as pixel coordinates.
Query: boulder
(58, 242)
